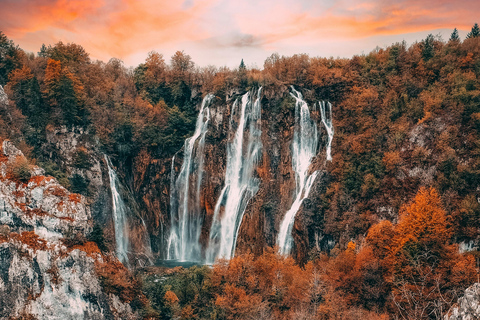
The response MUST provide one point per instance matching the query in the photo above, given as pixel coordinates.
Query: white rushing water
(186, 220)
(243, 154)
(3, 96)
(304, 149)
(119, 216)
(326, 112)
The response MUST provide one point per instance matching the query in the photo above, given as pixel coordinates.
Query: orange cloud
(129, 28)
(364, 19)
(21, 17)
(142, 25)
(105, 28)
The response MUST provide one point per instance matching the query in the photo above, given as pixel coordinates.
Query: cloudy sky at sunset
(221, 32)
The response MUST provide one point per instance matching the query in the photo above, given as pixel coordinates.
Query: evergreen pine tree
(475, 33)
(35, 110)
(454, 36)
(428, 49)
(242, 66)
(43, 51)
(10, 58)
(242, 75)
(97, 236)
(68, 102)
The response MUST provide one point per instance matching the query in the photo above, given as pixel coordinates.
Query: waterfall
(243, 153)
(304, 149)
(119, 216)
(3, 97)
(327, 122)
(186, 221)
(173, 250)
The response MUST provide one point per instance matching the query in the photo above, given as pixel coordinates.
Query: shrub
(72, 239)
(52, 169)
(21, 169)
(97, 236)
(79, 184)
(81, 159)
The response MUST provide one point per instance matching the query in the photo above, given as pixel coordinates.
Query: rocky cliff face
(468, 306)
(47, 268)
(79, 155)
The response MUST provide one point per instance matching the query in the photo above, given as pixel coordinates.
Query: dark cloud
(235, 40)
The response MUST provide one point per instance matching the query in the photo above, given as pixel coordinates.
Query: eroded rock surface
(47, 268)
(468, 306)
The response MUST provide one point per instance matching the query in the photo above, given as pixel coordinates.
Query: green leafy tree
(62, 92)
(150, 79)
(81, 159)
(66, 53)
(242, 75)
(181, 69)
(179, 127)
(123, 135)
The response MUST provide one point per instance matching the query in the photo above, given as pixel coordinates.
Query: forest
(402, 202)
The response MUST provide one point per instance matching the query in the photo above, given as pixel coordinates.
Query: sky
(222, 32)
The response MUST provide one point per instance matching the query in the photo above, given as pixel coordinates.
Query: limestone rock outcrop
(47, 268)
(468, 306)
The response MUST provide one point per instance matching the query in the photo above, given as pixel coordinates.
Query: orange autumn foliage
(187, 312)
(354, 278)
(379, 237)
(397, 117)
(246, 284)
(31, 239)
(91, 248)
(423, 222)
(19, 75)
(75, 197)
(116, 279)
(53, 72)
(170, 297)
(391, 160)
(426, 273)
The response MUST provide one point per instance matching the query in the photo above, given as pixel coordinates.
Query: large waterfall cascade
(186, 221)
(243, 154)
(304, 149)
(119, 216)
